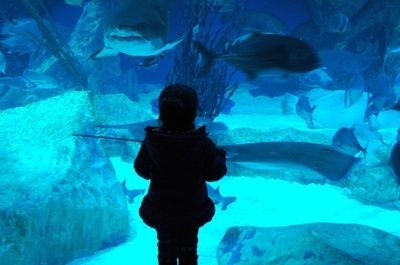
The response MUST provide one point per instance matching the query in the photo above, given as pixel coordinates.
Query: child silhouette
(178, 159)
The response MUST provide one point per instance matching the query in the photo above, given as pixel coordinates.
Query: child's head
(178, 107)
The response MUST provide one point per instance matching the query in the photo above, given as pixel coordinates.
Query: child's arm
(142, 162)
(215, 166)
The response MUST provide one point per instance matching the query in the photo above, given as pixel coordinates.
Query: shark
(131, 194)
(218, 199)
(137, 28)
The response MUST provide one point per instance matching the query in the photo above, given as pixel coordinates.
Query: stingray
(137, 28)
(324, 159)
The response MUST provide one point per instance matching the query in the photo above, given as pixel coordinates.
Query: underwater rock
(316, 243)
(59, 196)
(375, 186)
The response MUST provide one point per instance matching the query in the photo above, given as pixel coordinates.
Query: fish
(40, 80)
(137, 28)
(3, 63)
(326, 160)
(337, 23)
(354, 90)
(131, 194)
(151, 61)
(16, 36)
(75, 2)
(346, 140)
(305, 110)
(257, 53)
(395, 157)
(381, 96)
(218, 199)
(137, 129)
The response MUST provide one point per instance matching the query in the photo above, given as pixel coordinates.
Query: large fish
(324, 159)
(137, 28)
(258, 53)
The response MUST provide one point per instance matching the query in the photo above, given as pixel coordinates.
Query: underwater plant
(205, 25)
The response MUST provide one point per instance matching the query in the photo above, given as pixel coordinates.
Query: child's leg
(167, 253)
(187, 245)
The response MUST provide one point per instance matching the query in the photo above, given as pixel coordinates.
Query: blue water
(62, 193)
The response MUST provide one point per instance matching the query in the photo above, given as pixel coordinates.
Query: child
(178, 159)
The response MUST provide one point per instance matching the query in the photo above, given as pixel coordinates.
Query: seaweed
(201, 24)
(55, 44)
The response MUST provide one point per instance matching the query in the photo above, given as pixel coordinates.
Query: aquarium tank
(299, 100)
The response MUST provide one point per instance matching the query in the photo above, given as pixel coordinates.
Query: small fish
(131, 194)
(381, 98)
(137, 28)
(218, 199)
(395, 157)
(40, 80)
(151, 61)
(3, 63)
(228, 105)
(305, 110)
(257, 53)
(346, 140)
(354, 90)
(337, 23)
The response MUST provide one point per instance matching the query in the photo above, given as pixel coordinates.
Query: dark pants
(177, 244)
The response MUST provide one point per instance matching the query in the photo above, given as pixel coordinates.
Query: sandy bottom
(260, 202)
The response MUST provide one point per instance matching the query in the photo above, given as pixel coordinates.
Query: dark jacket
(178, 166)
